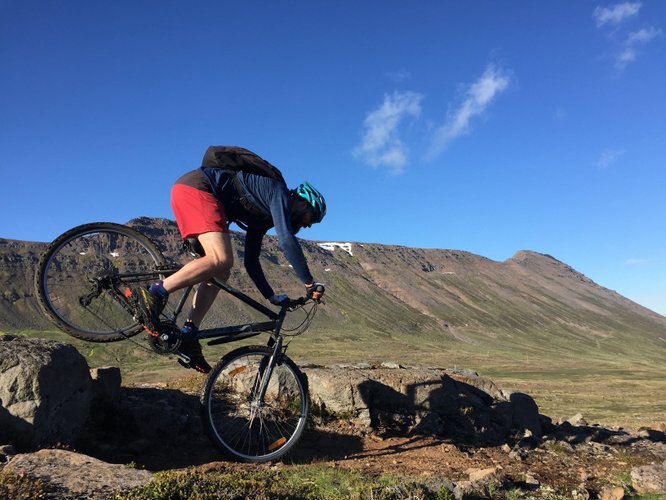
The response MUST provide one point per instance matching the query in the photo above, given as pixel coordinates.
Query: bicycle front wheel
(81, 279)
(242, 423)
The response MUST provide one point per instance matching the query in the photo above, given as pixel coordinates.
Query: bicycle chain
(130, 337)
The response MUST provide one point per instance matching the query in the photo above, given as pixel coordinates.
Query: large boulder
(448, 403)
(72, 475)
(45, 392)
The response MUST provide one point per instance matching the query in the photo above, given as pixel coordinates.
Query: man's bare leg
(217, 262)
(201, 302)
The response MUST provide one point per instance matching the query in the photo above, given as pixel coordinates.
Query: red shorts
(197, 212)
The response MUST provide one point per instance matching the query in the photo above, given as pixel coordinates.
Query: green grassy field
(611, 390)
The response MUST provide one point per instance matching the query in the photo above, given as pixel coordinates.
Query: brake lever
(296, 303)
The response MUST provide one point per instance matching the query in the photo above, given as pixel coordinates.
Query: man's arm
(288, 241)
(253, 239)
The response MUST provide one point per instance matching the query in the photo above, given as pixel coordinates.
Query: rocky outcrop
(447, 403)
(45, 392)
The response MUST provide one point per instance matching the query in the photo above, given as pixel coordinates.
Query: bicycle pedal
(184, 360)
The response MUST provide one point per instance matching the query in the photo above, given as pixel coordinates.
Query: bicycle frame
(227, 334)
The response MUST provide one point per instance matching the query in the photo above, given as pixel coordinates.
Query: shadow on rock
(577, 432)
(161, 429)
(446, 408)
(154, 428)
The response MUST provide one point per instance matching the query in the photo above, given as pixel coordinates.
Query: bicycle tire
(239, 426)
(83, 265)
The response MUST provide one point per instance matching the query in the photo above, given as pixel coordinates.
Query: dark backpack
(237, 159)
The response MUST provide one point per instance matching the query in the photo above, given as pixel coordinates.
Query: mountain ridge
(447, 297)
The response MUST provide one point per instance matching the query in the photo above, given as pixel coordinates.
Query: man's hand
(278, 300)
(315, 291)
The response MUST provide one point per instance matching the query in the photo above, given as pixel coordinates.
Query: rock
(77, 476)
(431, 401)
(45, 392)
(480, 481)
(391, 365)
(531, 481)
(106, 384)
(481, 474)
(577, 420)
(519, 454)
(612, 493)
(525, 413)
(651, 434)
(649, 478)
(661, 427)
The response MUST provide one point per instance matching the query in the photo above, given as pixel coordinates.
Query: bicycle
(255, 401)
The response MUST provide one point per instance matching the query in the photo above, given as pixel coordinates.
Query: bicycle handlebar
(301, 301)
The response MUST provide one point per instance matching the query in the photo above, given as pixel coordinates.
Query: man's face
(306, 220)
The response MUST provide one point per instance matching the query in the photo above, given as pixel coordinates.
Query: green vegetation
(15, 486)
(294, 482)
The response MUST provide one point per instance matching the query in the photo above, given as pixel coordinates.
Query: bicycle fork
(258, 401)
(266, 368)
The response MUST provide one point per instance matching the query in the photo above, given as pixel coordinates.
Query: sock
(158, 290)
(188, 329)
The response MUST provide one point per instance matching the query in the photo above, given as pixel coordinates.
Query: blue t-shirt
(272, 198)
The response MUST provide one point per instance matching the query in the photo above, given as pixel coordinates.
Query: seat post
(193, 247)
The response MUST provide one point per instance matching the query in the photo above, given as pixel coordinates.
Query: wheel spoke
(248, 428)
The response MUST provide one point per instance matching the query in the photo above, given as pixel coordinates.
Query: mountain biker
(204, 202)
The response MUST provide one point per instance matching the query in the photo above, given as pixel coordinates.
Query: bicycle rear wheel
(243, 426)
(81, 279)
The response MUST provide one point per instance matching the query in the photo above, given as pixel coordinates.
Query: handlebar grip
(301, 301)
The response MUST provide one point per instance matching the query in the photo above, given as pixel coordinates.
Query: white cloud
(608, 157)
(615, 14)
(629, 49)
(626, 45)
(624, 57)
(478, 97)
(381, 144)
(635, 262)
(643, 36)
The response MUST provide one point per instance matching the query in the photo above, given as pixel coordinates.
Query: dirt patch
(570, 460)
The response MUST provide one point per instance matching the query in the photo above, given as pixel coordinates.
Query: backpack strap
(243, 199)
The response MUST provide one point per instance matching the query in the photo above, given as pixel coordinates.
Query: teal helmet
(314, 199)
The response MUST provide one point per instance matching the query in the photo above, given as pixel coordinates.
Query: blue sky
(482, 126)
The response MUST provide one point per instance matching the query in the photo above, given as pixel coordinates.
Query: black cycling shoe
(150, 307)
(192, 349)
